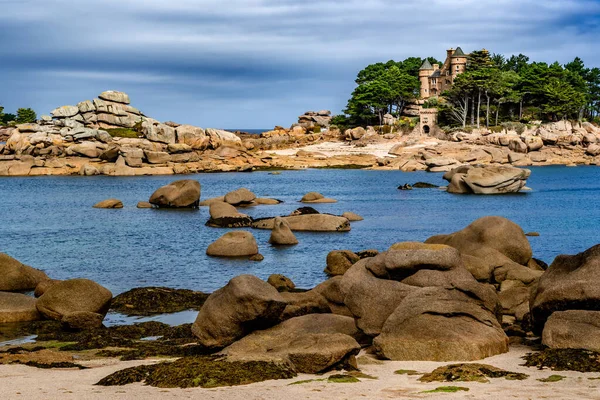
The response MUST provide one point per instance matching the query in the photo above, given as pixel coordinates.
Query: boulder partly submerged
(234, 244)
(488, 179)
(315, 197)
(74, 295)
(17, 307)
(308, 222)
(179, 194)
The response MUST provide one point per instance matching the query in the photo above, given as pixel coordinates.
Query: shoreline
(20, 381)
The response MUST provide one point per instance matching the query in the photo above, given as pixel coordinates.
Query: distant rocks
(352, 217)
(109, 203)
(311, 119)
(308, 222)
(315, 197)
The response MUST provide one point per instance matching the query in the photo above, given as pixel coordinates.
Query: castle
(435, 80)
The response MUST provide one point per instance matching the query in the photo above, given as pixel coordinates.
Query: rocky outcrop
(281, 282)
(311, 343)
(486, 179)
(16, 276)
(240, 197)
(179, 194)
(74, 295)
(245, 304)
(311, 120)
(234, 244)
(282, 235)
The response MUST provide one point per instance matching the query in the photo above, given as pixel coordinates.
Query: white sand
(21, 382)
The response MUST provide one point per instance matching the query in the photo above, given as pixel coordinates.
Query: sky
(255, 64)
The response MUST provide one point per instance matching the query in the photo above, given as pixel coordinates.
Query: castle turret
(458, 63)
(424, 72)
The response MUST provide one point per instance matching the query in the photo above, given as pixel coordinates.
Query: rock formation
(486, 179)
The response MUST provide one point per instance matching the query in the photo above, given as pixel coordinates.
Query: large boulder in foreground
(492, 247)
(233, 244)
(184, 193)
(311, 343)
(573, 329)
(308, 222)
(488, 179)
(74, 295)
(16, 276)
(282, 235)
(245, 304)
(17, 307)
(570, 283)
(441, 324)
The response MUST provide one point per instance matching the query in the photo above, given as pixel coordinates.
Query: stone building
(435, 80)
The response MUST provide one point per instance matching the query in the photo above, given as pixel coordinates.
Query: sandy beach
(19, 382)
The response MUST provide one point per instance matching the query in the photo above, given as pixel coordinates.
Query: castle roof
(426, 65)
(436, 74)
(458, 52)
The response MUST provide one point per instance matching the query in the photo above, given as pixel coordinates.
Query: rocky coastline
(475, 294)
(107, 136)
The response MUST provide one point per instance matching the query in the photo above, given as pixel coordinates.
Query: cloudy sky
(257, 63)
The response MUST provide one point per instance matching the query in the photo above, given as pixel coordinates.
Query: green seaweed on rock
(565, 360)
(447, 389)
(553, 378)
(470, 373)
(157, 300)
(203, 371)
(341, 378)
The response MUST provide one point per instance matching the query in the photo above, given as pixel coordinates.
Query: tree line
(23, 116)
(493, 89)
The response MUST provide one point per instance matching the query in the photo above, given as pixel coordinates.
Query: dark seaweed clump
(62, 364)
(565, 360)
(157, 300)
(204, 371)
(469, 373)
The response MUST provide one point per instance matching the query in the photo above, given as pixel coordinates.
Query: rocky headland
(108, 136)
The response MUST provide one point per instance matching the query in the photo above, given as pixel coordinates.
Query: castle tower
(424, 72)
(458, 63)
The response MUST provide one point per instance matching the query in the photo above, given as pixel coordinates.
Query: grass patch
(406, 372)
(447, 389)
(553, 378)
(122, 132)
(307, 381)
(340, 378)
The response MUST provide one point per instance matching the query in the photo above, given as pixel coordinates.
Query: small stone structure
(428, 119)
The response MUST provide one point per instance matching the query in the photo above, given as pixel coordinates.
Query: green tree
(563, 100)
(25, 115)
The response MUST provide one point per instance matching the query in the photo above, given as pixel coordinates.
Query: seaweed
(470, 373)
(447, 389)
(203, 371)
(50, 365)
(157, 300)
(580, 360)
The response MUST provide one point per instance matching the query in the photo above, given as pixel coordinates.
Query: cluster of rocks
(416, 301)
(311, 119)
(85, 132)
(76, 303)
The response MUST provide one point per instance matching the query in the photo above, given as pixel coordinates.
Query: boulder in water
(488, 179)
(315, 197)
(17, 307)
(179, 194)
(109, 203)
(74, 295)
(16, 276)
(282, 235)
(234, 244)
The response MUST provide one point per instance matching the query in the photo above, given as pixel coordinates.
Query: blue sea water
(49, 222)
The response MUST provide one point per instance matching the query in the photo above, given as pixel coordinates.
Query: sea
(49, 222)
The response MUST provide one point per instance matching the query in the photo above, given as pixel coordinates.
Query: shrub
(316, 129)
(496, 129)
(25, 116)
(123, 132)
(514, 126)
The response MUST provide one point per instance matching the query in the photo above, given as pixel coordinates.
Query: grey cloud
(256, 63)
